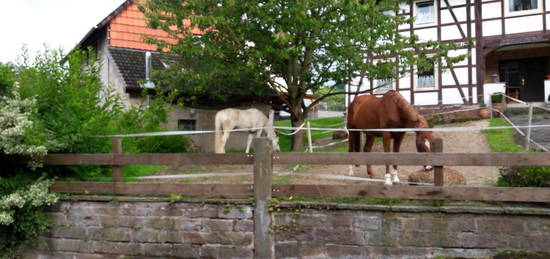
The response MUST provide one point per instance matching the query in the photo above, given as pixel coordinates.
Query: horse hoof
(395, 179)
(428, 167)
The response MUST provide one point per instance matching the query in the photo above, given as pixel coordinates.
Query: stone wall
(144, 227)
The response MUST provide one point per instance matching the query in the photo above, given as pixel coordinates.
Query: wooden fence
(263, 160)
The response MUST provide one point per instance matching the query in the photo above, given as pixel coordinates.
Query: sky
(56, 23)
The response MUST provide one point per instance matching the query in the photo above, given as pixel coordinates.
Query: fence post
(117, 169)
(309, 141)
(438, 169)
(528, 135)
(264, 245)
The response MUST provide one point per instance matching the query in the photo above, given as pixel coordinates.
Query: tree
(293, 47)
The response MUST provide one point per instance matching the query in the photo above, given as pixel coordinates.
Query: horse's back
(362, 112)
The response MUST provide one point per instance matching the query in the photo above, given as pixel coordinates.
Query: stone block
(166, 223)
(152, 235)
(244, 225)
(116, 234)
(160, 250)
(186, 224)
(429, 239)
(193, 238)
(509, 225)
(300, 250)
(340, 236)
(236, 252)
(199, 211)
(538, 224)
(367, 222)
(235, 212)
(299, 234)
(118, 248)
(339, 220)
(312, 221)
(227, 238)
(214, 225)
(343, 251)
(459, 224)
(186, 251)
(482, 241)
(73, 232)
(68, 245)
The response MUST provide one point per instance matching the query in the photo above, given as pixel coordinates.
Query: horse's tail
(218, 135)
(354, 137)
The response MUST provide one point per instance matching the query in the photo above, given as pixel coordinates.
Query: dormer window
(425, 13)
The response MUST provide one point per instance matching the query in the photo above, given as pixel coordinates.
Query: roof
(104, 22)
(131, 64)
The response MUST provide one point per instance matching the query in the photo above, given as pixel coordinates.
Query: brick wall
(146, 227)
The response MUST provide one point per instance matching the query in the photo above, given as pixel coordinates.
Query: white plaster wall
(491, 28)
(546, 90)
(453, 2)
(406, 95)
(458, 52)
(447, 77)
(426, 34)
(547, 18)
(467, 94)
(429, 98)
(405, 82)
(491, 10)
(462, 75)
(450, 32)
(451, 96)
(524, 24)
(474, 94)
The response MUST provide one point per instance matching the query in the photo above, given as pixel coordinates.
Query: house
(126, 65)
(510, 53)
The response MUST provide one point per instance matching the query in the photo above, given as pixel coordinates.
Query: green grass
(104, 174)
(501, 140)
(286, 141)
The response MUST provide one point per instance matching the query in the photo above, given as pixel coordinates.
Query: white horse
(229, 119)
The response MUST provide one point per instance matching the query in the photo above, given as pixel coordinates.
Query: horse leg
(225, 136)
(386, 141)
(397, 140)
(368, 148)
(354, 139)
(249, 141)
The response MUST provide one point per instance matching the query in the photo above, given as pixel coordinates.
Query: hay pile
(450, 176)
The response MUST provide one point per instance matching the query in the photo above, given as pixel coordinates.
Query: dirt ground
(453, 142)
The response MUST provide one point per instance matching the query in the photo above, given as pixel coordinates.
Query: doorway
(525, 78)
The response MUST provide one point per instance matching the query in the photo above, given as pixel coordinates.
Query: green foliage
(516, 176)
(496, 98)
(288, 47)
(21, 217)
(522, 176)
(501, 140)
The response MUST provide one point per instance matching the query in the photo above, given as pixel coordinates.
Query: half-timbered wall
(455, 21)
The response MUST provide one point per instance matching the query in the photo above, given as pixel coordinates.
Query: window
(383, 85)
(425, 13)
(522, 5)
(426, 79)
(187, 124)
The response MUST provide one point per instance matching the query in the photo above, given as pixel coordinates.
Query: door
(525, 77)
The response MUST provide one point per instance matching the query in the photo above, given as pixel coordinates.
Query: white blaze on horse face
(427, 143)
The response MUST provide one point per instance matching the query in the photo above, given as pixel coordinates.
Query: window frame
(508, 13)
(436, 78)
(415, 13)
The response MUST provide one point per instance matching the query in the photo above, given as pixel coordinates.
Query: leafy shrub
(496, 98)
(522, 176)
(21, 217)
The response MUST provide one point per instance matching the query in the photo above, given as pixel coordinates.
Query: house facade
(510, 53)
(126, 64)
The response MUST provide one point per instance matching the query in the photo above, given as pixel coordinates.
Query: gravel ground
(454, 142)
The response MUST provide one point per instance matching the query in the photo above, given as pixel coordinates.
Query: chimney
(148, 65)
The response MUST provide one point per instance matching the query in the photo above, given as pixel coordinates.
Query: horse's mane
(408, 111)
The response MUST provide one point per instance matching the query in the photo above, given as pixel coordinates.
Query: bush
(21, 216)
(521, 176)
(496, 98)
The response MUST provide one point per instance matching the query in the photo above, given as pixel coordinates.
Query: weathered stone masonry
(191, 229)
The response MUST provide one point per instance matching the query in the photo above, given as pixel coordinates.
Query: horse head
(424, 139)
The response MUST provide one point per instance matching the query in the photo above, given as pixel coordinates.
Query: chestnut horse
(390, 111)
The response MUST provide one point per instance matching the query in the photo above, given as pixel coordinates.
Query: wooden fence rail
(266, 159)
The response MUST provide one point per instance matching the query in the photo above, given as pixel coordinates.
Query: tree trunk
(297, 118)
